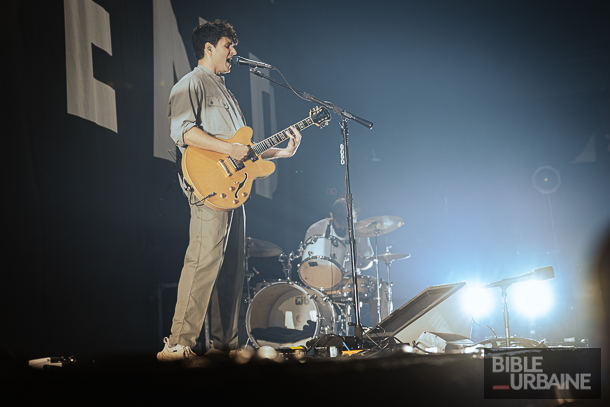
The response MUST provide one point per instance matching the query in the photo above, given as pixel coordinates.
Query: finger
(296, 134)
(290, 132)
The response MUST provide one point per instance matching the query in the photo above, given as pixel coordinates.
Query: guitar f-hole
(241, 185)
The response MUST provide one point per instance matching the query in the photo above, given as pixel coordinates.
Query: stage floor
(401, 379)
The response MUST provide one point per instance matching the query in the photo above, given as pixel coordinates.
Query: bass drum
(284, 314)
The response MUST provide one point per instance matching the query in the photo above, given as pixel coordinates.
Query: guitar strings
(279, 137)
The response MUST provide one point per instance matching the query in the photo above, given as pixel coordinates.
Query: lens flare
(532, 298)
(479, 302)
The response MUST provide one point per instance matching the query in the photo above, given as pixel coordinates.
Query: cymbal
(383, 224)
(390, 257)
(261, 248)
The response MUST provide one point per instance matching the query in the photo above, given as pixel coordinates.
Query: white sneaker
(174, 353)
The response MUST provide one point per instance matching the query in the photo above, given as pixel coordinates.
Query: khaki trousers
(212, 275)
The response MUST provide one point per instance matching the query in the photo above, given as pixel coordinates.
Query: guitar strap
(186, 188)
(178, 162)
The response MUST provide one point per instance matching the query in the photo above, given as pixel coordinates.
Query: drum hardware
(375, 226)
(257, 248)
(343, 291)
(261, 248)
(342, 319)
(286, 261)
(388, 258)
(249, 275)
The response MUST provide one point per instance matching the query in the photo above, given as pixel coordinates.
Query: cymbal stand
(286, 261)
(378, 284)
(388, 265)
(345, 310)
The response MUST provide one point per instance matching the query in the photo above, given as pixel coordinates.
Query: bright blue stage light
(480, 302)
(532, 298)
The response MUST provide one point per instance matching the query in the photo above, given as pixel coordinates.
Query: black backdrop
(468, 101)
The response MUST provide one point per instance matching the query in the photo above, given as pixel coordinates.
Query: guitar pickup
(236, 165)
(222, 164)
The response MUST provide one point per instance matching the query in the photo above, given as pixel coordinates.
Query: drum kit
(287, 313)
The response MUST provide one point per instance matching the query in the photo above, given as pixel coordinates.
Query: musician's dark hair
(211, 32)
(340, 211)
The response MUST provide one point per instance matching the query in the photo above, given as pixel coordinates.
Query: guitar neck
(278, 137)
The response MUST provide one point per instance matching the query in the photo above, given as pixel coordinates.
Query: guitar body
(223, 184)
(214, 178)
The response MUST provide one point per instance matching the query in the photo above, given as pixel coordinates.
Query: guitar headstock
(320, 116)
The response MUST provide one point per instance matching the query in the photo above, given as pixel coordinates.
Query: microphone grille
(544, 273)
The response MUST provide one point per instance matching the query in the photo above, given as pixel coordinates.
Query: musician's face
(340, 225)
(220, 55)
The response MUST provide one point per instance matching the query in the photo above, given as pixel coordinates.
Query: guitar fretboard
(278, 137)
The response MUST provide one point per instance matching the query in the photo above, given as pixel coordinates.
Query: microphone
(327, 234)
(237, 60)
(543, 273)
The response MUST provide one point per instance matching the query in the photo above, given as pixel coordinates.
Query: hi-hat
(389, 257)
(377, 225)
(261, 248)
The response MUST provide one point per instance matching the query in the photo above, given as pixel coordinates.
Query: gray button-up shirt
(201, 99)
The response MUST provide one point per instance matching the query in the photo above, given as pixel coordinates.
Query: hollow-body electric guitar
(225, 184)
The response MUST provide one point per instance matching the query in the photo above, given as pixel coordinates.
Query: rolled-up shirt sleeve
(185, 108)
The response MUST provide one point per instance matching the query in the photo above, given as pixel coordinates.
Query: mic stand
(345, 115)
(352, 240)
(541, 273)
(504, 289)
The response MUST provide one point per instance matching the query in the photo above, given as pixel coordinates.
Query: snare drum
(284, 314)
(322, 262)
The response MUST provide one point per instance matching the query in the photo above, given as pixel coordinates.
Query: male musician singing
(202, 111)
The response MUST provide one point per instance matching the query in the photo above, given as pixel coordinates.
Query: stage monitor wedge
(436, 309)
